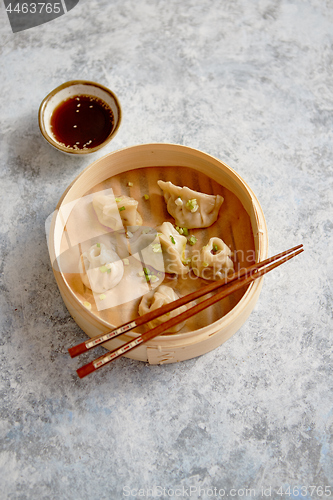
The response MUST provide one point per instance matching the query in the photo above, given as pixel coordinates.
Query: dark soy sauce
(82, 122)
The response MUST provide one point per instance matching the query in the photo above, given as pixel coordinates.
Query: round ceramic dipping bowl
(76, 89)
(134, 172)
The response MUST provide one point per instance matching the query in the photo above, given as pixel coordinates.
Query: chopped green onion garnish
(182, 230)
(148, 275)
(126, 262)
(215, 248)
(192, 205)
(103, 269)
(156, 247)
(172, 239)
(121, 208)
(205, 264)
(192, 240)
(146, 196)
(102, 296)
(87, 305)
(179, 201)
(118, 199)
(98, 245)
(109, 271)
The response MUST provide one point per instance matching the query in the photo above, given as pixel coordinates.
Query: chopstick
(141, 320)
(100, 339)
(230, 285)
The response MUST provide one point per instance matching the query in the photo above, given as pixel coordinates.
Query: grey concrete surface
(250, 83)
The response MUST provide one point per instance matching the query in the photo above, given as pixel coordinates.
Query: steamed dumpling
(100, 268)
(161, 296)
(145, 246)
(213, 261)
(173, 249)
(189, 208)
(116, 211)
(107, 211)
(128, 209)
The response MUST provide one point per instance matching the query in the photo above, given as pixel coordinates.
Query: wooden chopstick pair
(230, 285)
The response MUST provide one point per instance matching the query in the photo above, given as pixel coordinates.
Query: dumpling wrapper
(78, 221)
(100, 268)
(213, 261)
(173, 249)
(128, 209)
(116, 211)
(145, 245)
(132, 286)
(161, 296)
(141, 238)
(190, 209)
(163, 251)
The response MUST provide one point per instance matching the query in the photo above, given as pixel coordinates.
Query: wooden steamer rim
(168, 348)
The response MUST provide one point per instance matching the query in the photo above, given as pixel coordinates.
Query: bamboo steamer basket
(245, 228)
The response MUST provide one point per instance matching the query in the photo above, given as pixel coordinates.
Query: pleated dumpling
(116, 211)
(189, 208)
(101, 269)
(173, 249)
(158, 298)
(213, 261)
(128, 209)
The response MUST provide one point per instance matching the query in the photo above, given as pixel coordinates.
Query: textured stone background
(250, 83)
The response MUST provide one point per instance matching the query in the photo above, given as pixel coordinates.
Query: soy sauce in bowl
(79, 117)
(82, 122)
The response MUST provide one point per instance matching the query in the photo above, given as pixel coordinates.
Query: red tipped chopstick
(230, 285)
(141, 320)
